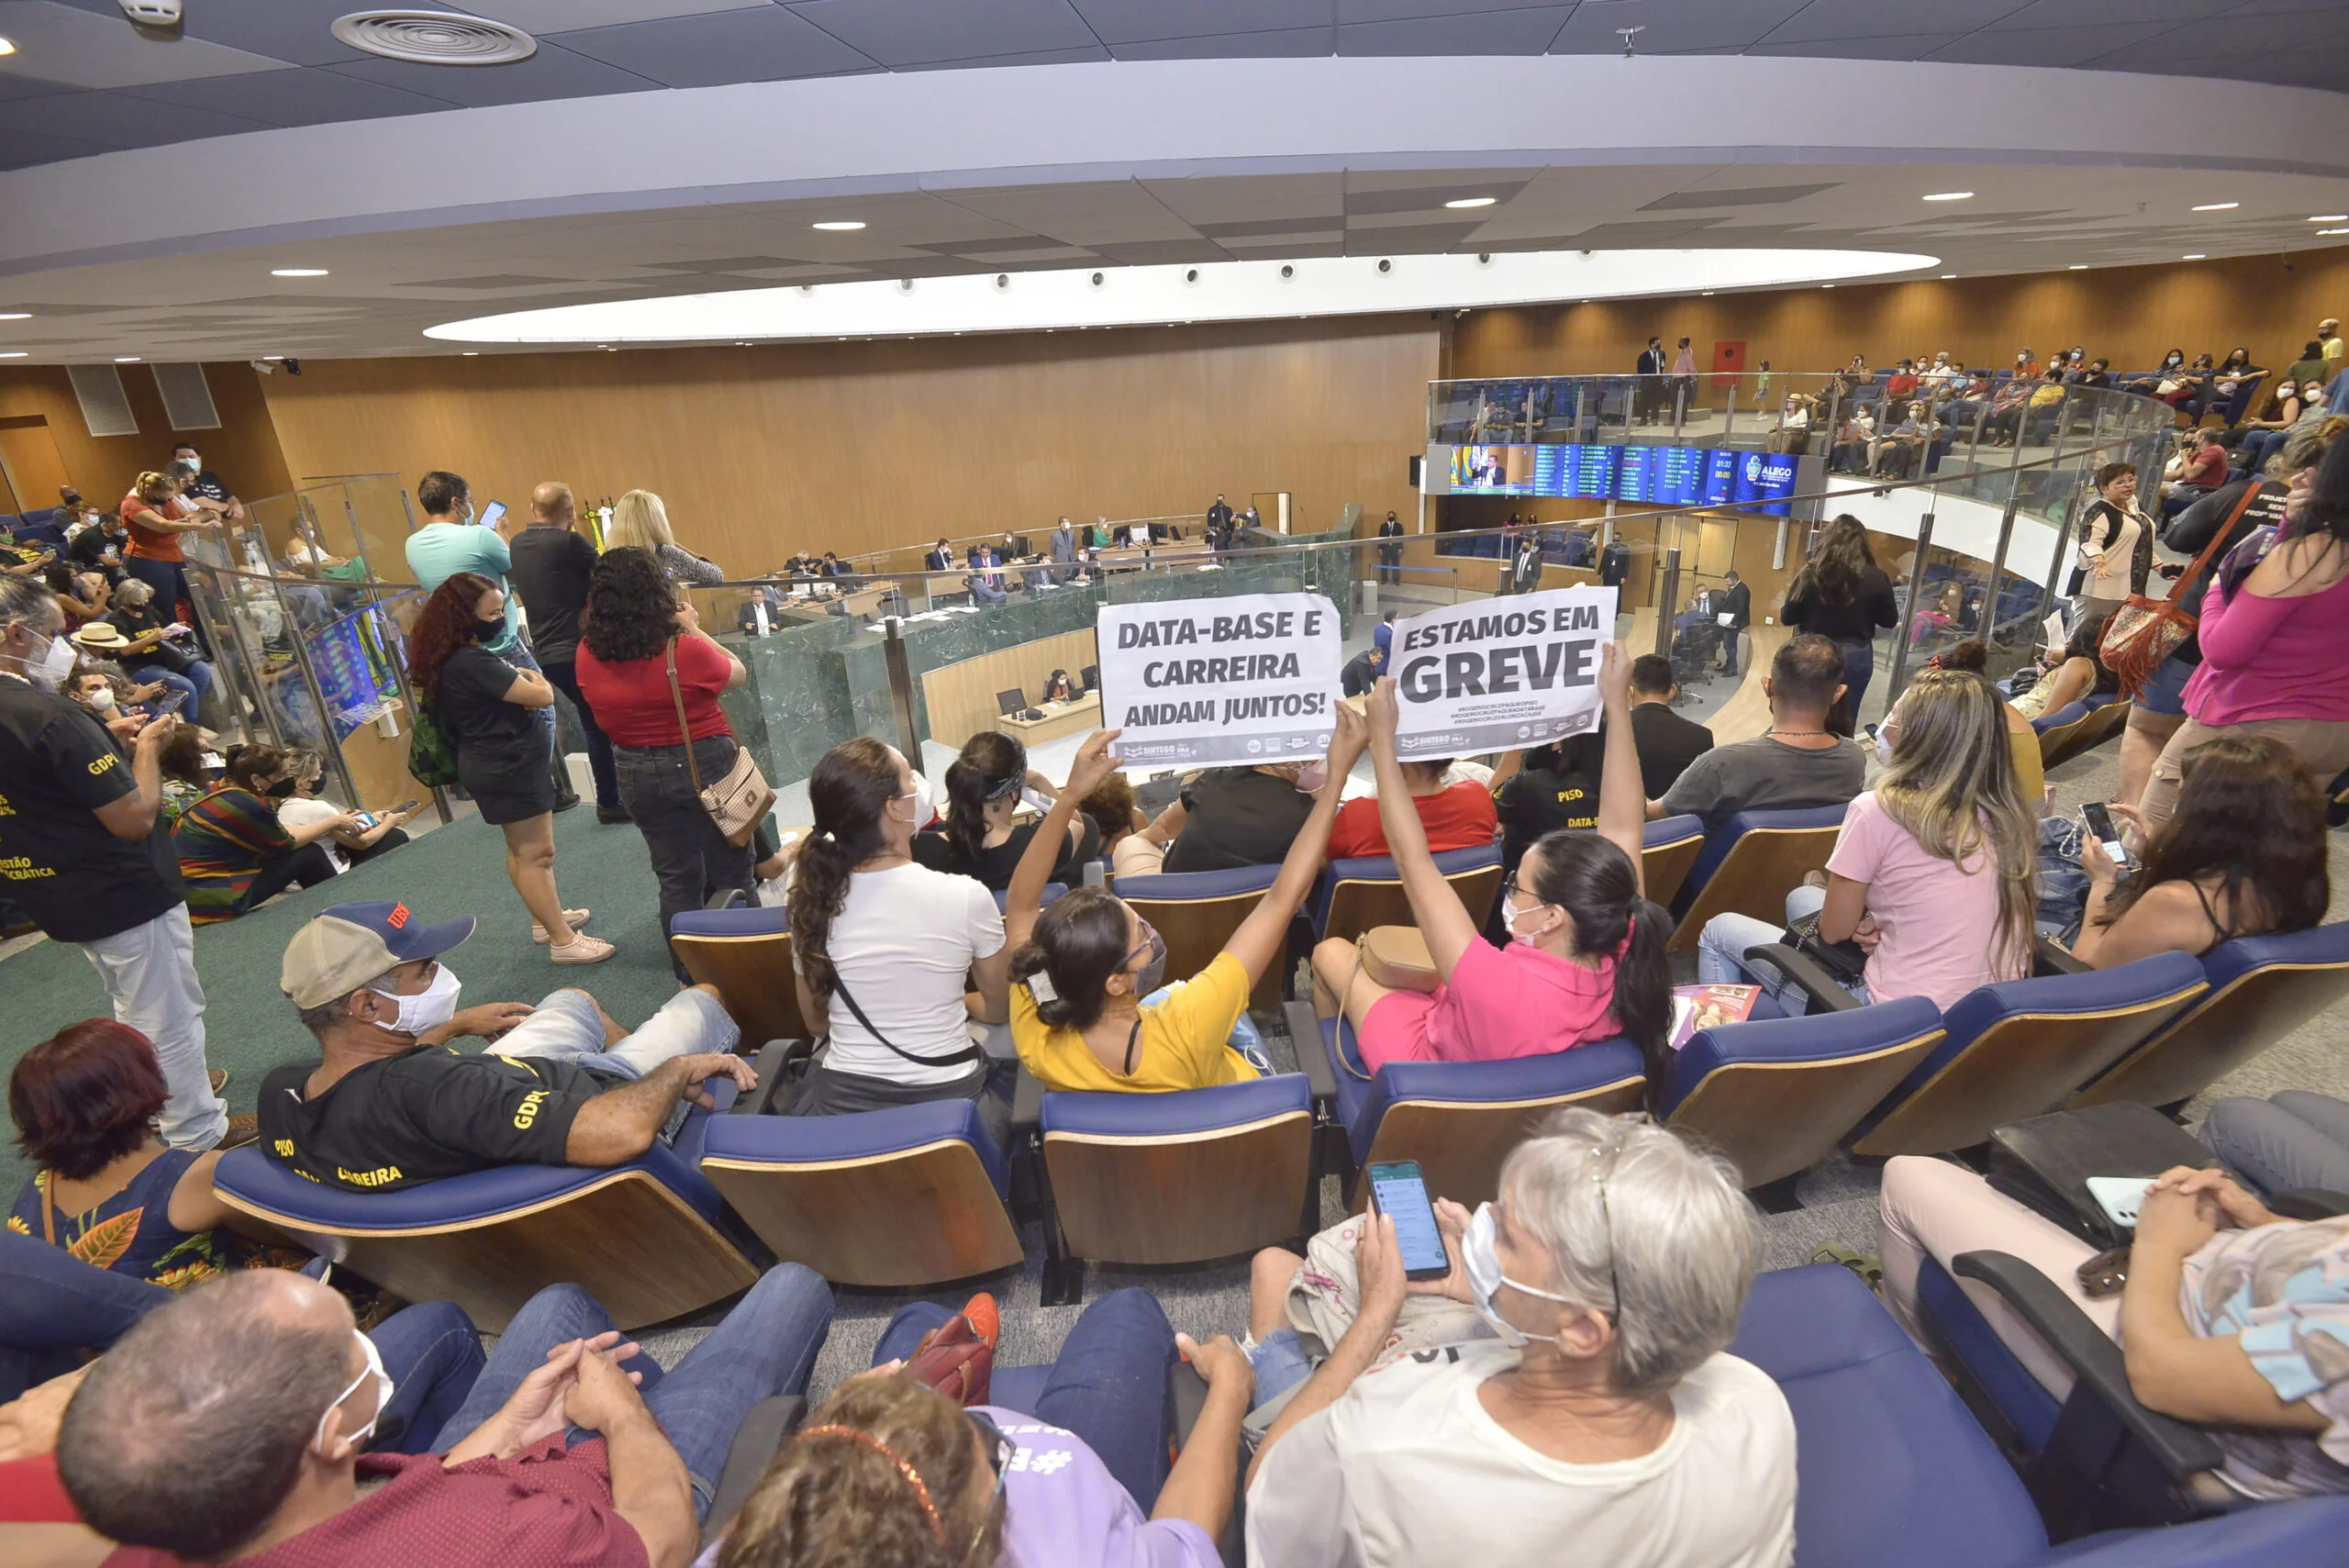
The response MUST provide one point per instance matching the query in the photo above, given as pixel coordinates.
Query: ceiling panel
(1825, 20)
(905, 32)
(552, 73)
(27, 148)
(290, 97)
(1673, 26)
(1135, 21)
(1081, 54)
(561, 16)
(1287, 43)
(2087, 12)
(1350, 11)
(60, 43)
(297, 31)
(1523, 31)
(116, 120)
(1912, 46)
(2060, 46)
(766, 44)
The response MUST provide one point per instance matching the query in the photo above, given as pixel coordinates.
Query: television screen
(1481, 469)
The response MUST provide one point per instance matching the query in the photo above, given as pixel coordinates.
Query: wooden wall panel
(2131, 315)
(762, 451)
(243, 451)
(961, 697)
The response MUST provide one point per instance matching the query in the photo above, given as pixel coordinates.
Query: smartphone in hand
(1399, 1191)
(2099, 824)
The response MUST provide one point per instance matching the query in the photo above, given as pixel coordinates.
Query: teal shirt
(437, 552)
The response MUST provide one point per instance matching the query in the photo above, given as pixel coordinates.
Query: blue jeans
(766, 1346)
(987, 593)
(691, 858)
(433, 1352)
(1859, 668)
(566, 1026)
(1720, 953)
(193, 685)
(1107, 1385)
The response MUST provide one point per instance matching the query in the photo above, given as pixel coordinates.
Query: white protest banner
(1249, 678)
(1498, 674)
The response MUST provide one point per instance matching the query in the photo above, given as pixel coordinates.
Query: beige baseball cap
(350, 944)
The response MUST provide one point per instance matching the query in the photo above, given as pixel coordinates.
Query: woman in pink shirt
(1585, 956)
(2275, 639)
(1931, 874)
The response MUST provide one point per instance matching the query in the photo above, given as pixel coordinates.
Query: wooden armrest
(2050, 957)
(1805, 972)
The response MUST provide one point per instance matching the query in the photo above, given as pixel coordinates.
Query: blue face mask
(1480, 1255)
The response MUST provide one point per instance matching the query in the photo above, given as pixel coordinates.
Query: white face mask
(48, 671)
(1884, 745)
(1511, 910)
(102, 699)
(429, 1008)
(1480, 1255)
(925, 799)
(374, 1369)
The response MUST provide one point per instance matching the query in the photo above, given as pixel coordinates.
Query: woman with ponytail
(1585, 956)
(894, 961)
(1931, 874)
(1081, 1013)
(984, 787)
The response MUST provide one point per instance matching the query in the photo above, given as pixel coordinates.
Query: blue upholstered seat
(1718, 844)
(1189, 886)
(907, 1197)
(1379, 870)
(2070, 713)
(1669, 847)
(1052, 890)
(1189, 1112)
(744, 920)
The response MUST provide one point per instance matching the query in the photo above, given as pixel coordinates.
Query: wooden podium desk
(865, 601)
(1060, 718)
(1133, 557)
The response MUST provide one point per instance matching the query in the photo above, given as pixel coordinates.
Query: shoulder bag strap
(970, 1053)
(2217, 538)
(686, 730)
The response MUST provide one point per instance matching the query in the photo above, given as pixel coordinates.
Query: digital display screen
(1660, 476)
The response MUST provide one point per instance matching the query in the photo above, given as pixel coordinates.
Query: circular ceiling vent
(435, 38)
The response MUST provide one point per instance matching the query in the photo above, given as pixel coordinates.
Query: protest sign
(1498, 674)
(1194, 683)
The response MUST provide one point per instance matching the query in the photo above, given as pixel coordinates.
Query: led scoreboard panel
(1660, 476)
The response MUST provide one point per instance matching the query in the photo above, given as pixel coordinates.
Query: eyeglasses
(1000, 1450)
(1604, 1160)
(1152, 944)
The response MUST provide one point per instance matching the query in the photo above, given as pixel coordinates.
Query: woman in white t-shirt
(1608, 1413)
(894, 961)
(298, 806)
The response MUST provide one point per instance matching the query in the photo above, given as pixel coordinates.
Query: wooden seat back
(1460, 1144)
(1663, 867)
(2232, 1025)
(752, 974)
(1358, 905)
(899, 1221)
(1775, 1118)
(1195, 930)
(1754, 877)
(1181, 1197)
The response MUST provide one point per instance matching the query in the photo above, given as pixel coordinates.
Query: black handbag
(1846, 962)
(2045, 1163)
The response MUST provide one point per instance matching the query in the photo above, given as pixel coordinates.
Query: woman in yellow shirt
(1080, 969)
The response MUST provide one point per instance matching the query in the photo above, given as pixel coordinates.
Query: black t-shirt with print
(423, 1114)
(1557, 787)
(489, 731)
(58, 862)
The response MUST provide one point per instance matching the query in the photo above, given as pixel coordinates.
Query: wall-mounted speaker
(1416, 460)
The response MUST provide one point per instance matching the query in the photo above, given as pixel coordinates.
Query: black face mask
(283, 789)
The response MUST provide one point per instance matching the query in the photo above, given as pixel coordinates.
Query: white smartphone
(2099, 824)
(2119, 1196)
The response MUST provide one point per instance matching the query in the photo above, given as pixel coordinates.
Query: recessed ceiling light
(125, 358)
(297, 271)
(1706, 295)
(2197, 256)
(2330, 218)
(1951, 196)
(2077, 267)
(1827, 285)
(12, 353)
(2322, 232)
(16, 316)
(839, 226)
(272, 356)
(1472, 201)
(7, 46)
(1947, 276)
(472, 354)
(2218, 206)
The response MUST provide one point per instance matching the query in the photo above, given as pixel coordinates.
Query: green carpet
(250, 1027)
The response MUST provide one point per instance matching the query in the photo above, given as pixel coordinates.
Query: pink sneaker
(577, 918)
(581, 949)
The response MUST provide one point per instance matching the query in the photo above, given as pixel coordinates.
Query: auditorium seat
(1776, 1095)
(1052, 893)
(1458, 1119)
(1668, 848)
(1353, 896)
(1175, 1178)
(909, 1196)
(1893, 1469)
(2261, 989)
(2060, 742)
(2012, 1050)
(1750, 865)
(641, 1238)
(745, 952)
(1197, 911)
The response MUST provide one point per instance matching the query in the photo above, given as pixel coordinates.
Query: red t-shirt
(543, 1508)
(146, 543)
(1459, 817)
(2205, 466)
(1901, 386)
(632, 702)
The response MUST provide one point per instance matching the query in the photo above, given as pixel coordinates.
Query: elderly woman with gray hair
(1586, 1397)
(160, 649)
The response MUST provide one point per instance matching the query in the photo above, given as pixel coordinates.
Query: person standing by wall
(1390, 553)
(450, 541)
(552, 563)
(87, 856)
(1842, 594)
(153, 554)
(643, 657)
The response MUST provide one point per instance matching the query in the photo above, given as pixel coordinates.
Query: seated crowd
(185, 1392)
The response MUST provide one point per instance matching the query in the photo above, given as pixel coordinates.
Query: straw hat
(101, 637)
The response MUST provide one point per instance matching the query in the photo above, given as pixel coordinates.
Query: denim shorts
(2166, 692)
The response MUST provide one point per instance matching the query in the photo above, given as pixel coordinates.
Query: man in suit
(986, 583)
(1736, 602)
(1649, 393)
(1525, 563)
(1219, 521)
(1390, 551)
(939, 560)
(1063, 551)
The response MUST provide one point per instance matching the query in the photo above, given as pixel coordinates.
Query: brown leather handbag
(2145, 630)
(739, 801)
